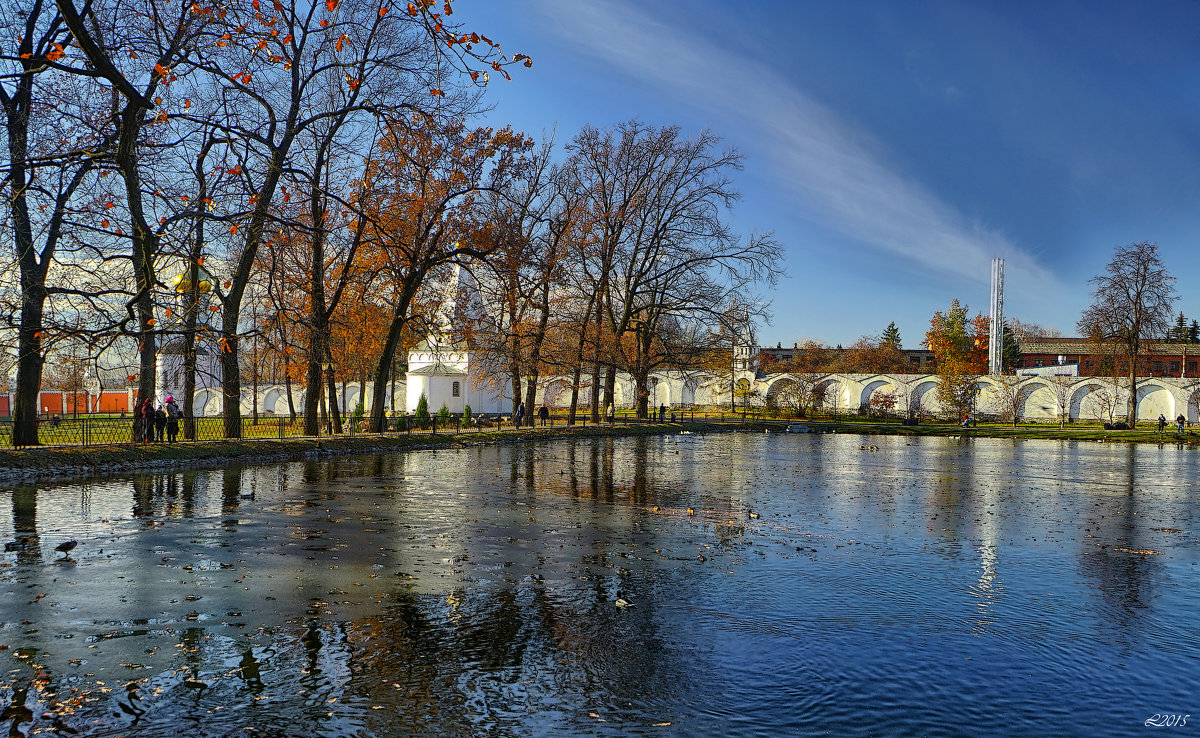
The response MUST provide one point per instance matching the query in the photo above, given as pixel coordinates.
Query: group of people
(543, 414)
(150, 423)
(1180, 422)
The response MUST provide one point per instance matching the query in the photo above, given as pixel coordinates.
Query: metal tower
(996, 313)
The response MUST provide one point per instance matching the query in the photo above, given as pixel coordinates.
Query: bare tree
(1009, 396)
(1131, 303)
(1061, 386)
(1107, 396)
(669, 262)
(45, 162)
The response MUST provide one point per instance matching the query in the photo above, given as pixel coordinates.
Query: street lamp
(183, 280)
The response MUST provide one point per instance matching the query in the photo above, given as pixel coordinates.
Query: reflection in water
(472, 591)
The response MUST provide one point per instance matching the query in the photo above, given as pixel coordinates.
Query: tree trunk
(515, 380)
(189, 381)
(335, 413)
(29, 370)
(312, 395)
(287, 383)
(386, 360)
(1132, 407)
(595, 400)
(641, 381)
(576, 375)
(231, 383)
(145, 246)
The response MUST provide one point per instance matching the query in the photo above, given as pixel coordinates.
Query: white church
(439, 368)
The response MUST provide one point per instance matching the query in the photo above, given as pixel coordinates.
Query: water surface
(780, 585)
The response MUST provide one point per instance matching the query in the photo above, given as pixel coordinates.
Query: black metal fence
(94, 431)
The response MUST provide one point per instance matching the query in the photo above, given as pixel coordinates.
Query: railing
(95, 431)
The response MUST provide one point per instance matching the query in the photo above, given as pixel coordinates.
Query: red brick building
(1160, 358)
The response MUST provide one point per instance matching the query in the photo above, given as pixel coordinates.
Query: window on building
(1174, 367)
(1087, 364)
(1037, 362)
(1158, 367)
(1191, 367)
(454, 390)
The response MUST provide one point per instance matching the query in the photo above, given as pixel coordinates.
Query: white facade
(1084, 398)
(168, 374)
(444, 375)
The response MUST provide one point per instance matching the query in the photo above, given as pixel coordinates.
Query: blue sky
(896, 147)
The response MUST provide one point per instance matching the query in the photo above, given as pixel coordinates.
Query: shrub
(466, 413)
(422, 414)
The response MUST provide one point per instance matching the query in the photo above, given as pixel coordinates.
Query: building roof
(1064, 346)
(175, 346)
(438, 369)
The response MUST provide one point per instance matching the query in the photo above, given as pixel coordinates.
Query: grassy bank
(69, 462)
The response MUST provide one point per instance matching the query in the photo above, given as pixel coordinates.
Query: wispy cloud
(838, 175)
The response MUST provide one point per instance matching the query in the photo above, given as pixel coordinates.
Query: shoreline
(76, 463)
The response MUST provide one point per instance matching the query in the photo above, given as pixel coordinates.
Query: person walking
(520, 415)
(662, 413)
(1179, 423)
(1162, 423)
(543, 414)
(173, 415)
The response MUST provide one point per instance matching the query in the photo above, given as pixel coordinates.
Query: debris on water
(1138, 551)
(623, 603)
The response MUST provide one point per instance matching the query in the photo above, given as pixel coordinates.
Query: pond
(690, 585)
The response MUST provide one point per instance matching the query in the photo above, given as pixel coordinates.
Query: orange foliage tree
(420, 216)
(960, 345)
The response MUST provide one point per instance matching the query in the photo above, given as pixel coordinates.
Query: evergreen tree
(891, 336)
(1193, 335)
(422, 414)
(1180, 331)
(1011, 357)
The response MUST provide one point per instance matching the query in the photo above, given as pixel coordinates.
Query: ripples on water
(931, 587)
